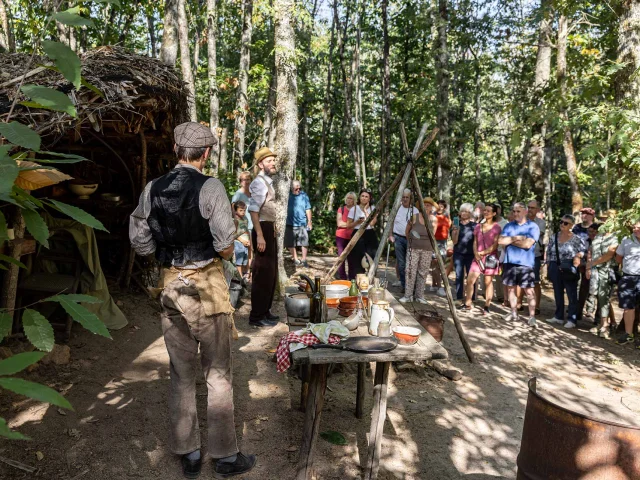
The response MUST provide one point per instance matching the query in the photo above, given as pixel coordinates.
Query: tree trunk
(268, 125)
(196, 53)
(124, 32)
(214, 102)
(347, 84)
(326, 110)
(476, 132)
(304, 141)
(7, 40)
(567, 138)
(383, 175)
(169, 48)
(185, 60)
(442, 80)
(286, 141)
(242, 102)
(110, 20)
(151, 24)
(224, 137)
(358, 83)
(536, 152)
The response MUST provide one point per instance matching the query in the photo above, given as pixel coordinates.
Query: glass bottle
(317, 303)
(353, 290)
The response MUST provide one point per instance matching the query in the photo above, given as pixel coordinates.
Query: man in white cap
(184, 218)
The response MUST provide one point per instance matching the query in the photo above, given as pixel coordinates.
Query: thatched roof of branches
(133, 91)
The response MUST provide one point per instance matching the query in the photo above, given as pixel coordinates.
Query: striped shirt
(214, 207)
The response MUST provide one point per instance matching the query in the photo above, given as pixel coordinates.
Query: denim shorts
(242, 253)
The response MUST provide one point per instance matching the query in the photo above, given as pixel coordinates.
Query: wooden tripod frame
(406, 174)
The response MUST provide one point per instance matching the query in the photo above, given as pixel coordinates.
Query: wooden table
(314, 383)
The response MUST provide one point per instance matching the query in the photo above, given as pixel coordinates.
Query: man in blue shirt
(298, 227)
(519, 238)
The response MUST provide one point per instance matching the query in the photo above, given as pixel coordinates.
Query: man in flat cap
(265, 264)
(184, 217)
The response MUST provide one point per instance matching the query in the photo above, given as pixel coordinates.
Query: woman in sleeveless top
(368, 242)
(485, 244)
(343, 234)
(419, 255)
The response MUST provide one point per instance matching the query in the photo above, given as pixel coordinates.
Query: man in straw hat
(262, 208)
(184, 217)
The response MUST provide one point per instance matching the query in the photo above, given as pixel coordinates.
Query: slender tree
(151, 25)
(214, 102)
(169, 48)
(242, 101)
(185, 59)
(286, 140)
(442, 81)
(7, 40)
(385, 119)
(567, 137)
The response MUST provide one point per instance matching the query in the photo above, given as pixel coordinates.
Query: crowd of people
(505, 258)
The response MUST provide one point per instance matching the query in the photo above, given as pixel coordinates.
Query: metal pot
(297, 305)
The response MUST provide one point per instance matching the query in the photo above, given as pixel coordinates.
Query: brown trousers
(264, 272)
(185, 327)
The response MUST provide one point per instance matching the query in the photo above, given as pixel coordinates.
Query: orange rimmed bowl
(332, 302)
(407, 335)
(345, 283)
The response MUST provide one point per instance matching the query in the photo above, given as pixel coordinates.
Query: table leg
(378, 416)
(315, 400)
(305, 373)
(362, 367)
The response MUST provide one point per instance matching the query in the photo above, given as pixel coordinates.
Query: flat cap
(261, 154)
(192, 134)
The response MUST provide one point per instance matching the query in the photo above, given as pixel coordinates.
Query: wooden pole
(447, 287)
(392, 215)
(378, 416)
(10, 281)
(379, 207)
(315, 401)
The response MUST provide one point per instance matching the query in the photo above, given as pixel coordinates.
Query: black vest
(181, 234)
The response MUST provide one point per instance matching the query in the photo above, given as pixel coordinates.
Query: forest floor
(435, 429)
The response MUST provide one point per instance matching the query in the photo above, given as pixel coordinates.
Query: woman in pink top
(485, 244)
(343, 234)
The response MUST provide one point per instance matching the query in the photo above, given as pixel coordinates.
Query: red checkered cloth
(283, 355)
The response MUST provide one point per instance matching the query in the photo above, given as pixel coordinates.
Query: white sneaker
(397, 283)
(406, 300)
(555, 320)
(569, 324)
(509, 317)
(441, 292)
(532, 322)
(422, 301)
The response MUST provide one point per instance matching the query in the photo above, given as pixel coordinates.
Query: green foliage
(38, 330)
(19, 362)
(70, 17)
(6, 432)
(36, 226)
(83, 316)
(77, 214)
(48, 98)
(20, 135)
(66, 60)
(35, 391)
(6, 322)
(8, 173)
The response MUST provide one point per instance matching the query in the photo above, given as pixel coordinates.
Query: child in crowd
(242, 241)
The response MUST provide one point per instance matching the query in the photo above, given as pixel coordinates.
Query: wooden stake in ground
(445, 278)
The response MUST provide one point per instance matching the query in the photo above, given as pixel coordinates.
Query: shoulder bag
(568, 271)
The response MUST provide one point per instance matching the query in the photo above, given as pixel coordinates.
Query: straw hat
(430, 201)
(261, 154)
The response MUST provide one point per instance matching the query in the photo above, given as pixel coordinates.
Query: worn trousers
(416, 272)
(264, 273)
(185, 328)
(583, 291)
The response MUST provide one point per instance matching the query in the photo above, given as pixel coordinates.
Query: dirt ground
(435, 429)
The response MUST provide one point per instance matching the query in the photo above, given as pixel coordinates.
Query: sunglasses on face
(563, 222)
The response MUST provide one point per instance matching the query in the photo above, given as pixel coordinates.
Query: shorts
(442, 247)
(518, 276)
(242, 253)
(537, 266)
(629, 292)
(296, 237)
